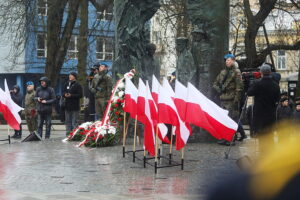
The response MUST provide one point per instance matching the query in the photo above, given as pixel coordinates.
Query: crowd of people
(39, 102)
(270, 106)
(231, 86)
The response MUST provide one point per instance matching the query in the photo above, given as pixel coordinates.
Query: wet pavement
(55, 170)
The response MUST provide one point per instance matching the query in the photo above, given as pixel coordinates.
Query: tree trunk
(83, 43)
(57, 41)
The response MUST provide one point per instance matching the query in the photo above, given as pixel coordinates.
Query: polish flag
(141, 103)
(167, 113)
(130, 100)
(9, 108)
(180, 99)
(155, 89)
(206, 114)
(150, 124)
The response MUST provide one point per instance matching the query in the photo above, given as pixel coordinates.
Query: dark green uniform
(101, 87)
(30, 111)
(229, 86)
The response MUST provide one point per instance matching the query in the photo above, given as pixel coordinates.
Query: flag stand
(171, 146)
(134, 139)
(182, 158)
(156, 150)
(8, 136)
(124, 134)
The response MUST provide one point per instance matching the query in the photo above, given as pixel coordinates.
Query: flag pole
(124, 134)
(171, 146)
(156, 147)
(8, 129)
(134, 138)
(145, 157)
(182, 158)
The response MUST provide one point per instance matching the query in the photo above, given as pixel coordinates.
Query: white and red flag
(206, 114)
(155, 89)
(9, 108)
(130, 100)
(168, 114)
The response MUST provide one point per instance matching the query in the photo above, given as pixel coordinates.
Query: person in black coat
(72, 93)
(266, 94)
(17, 97)
(296, 113)
(284, 111)
(46, 98)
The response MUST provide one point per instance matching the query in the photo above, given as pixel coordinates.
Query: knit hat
(297, 101)
(29, 83)
(265, 69)
(284, 99)
(73, 74)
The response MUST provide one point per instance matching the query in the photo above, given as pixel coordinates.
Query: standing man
(229, 87)
(46, 98)
(266, 94)
(17, 97)
(30, 108)
(101, 87)
(72, 92)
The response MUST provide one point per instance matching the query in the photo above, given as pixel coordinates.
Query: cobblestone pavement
(55, 170)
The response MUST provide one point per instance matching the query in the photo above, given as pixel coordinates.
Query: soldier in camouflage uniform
(229, 86)
(101, 87)
(30, 108)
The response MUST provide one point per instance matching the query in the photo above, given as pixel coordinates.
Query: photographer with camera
(266, 94)
(72, 92)
(229, 87)
(101, 87)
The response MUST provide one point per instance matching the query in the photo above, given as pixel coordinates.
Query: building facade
(30, 64)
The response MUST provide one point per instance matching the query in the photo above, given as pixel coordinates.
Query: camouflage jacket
(101, 85)
(30, 103)
(229, 84)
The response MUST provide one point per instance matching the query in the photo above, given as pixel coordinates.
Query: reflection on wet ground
(56, 170)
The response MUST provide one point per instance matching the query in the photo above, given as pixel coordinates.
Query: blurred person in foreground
(275, 175)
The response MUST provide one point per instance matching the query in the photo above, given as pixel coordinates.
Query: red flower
(111, 109)
(100, 137)
(117, 113)
(119, 100)
(116, 105)
(114, 121)
(94, 138)
(119, 119)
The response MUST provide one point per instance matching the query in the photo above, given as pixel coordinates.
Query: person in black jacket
(284, 111)
(266, 94)
(17, 97)
(46, 98)
(296, 113)
(72, 93)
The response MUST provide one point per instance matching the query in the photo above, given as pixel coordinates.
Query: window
(104, 48)
(73, 50)
(106, 15)
(41, 45)
(281, 60)
(42, 7)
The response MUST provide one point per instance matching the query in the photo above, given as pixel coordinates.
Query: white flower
(121, 85)
(115, 98)
(112, 130)
(86, 125)
(121, 94)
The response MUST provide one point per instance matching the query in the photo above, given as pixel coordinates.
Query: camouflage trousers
(31, 120)
(100, 106)
(233, 109)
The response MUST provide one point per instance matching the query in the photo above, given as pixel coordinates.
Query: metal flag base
(8, 139)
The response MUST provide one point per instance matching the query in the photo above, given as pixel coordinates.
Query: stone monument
(150, 65)
(131, 17)
(185, 66)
